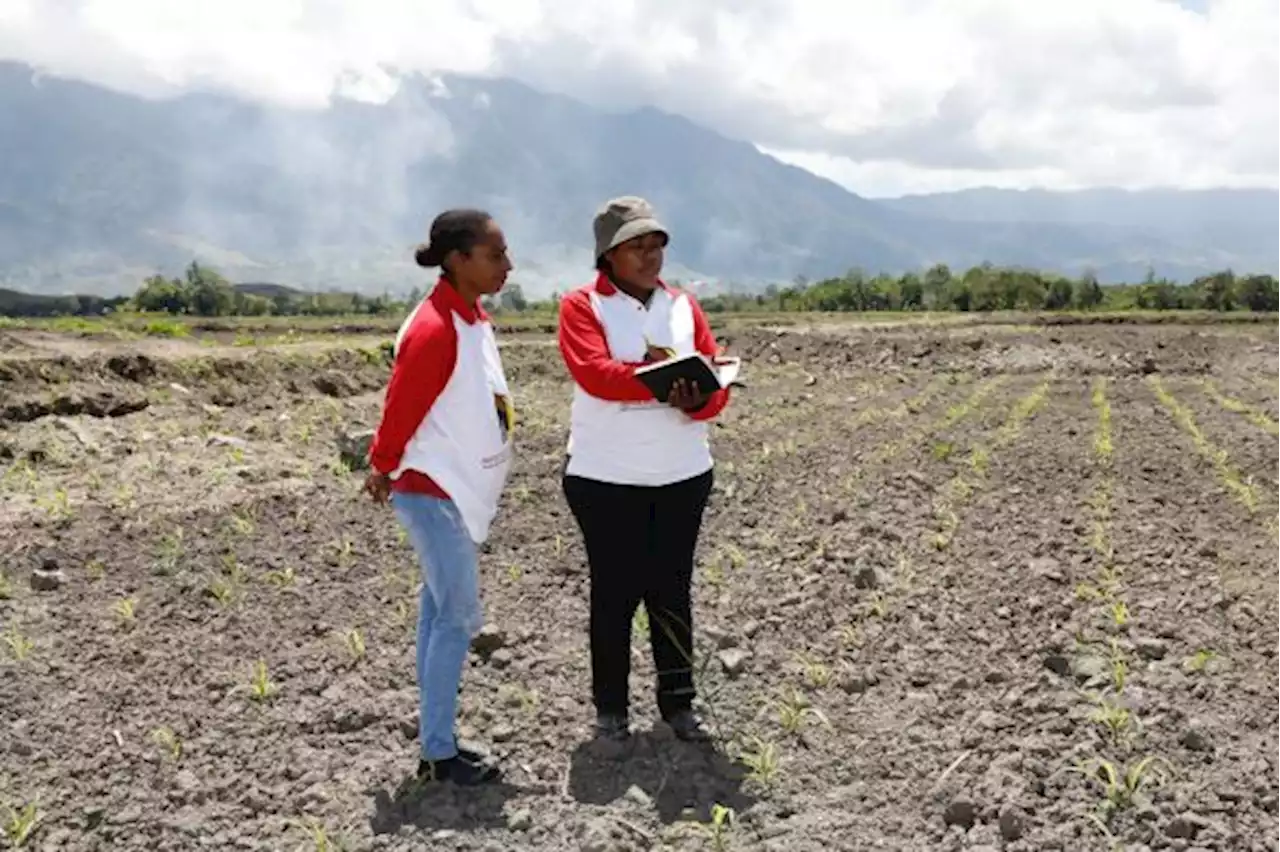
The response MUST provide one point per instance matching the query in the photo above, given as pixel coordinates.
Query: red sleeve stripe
(704, 340)
(423, 366)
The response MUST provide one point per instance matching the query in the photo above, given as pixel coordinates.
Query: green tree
(1088, 291)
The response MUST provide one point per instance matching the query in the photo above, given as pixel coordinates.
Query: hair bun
(427, 255)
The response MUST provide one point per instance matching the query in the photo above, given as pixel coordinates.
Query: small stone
(489, 639)
(520, 820)
(1058, 664)
(1049, 569)
(853, 684)
(734, 661)
(750, 628)
(1088, 667)
(990, 720)
(1196, 738)
(1013, 822)
(503, 733)
(867, 577)
(227, 441)
(47, 579)
(1152, 649)
(1186, 826)
(639, 797)
(961, 812)
(500, 659)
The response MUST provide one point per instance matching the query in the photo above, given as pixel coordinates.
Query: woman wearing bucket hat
(639, 472)
(441, 456)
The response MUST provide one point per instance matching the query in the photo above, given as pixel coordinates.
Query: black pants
(640, 547)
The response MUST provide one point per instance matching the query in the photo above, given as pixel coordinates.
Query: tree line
(991, 288)
(202, 291)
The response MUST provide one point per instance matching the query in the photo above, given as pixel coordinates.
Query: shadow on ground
(677, 780)
(435, 807)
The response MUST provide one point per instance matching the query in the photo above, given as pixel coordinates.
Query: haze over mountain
(99, 188)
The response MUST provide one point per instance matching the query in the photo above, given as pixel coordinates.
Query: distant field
(285, 329)
(967, 582)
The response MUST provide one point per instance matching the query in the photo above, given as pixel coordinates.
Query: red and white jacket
(445, 427)
(618, 432)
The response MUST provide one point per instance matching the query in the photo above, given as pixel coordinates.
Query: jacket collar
(446, 298)
(606, 287)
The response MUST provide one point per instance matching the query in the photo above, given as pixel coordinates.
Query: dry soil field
(974, 587)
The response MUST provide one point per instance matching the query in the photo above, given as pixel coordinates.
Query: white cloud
(911, 95)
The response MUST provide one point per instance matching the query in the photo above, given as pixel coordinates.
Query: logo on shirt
(506, 412)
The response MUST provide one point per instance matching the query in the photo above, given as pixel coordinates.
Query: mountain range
(100, 188)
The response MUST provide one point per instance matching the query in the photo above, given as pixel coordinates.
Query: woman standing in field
(639, 472)
(441, 456)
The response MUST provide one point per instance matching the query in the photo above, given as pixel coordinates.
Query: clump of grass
(168, 554)
(20, 647)
(6, 587)
(261, 689)
(980, 461)
(169, 741)
(817, 674)
(763, 761)
(794, 709)
(1119, 666)
(640, 623)
(20, 824)
(718, 830)
(282, 577)
(125, 610)
(319, 837)
(341, 551)
(1121, 786)
(353, 639)
(1200, 660)
(1113, 718)
(222, 590)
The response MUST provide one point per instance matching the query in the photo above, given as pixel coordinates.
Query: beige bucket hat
(622, 219)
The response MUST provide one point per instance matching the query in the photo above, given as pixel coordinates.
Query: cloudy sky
(885, 96)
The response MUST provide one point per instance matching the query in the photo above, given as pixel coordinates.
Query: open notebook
(709, 375)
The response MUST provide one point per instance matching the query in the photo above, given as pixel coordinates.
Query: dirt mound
(95, 404)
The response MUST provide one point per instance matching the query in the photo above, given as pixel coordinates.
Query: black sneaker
(688, 726)
(615, 727)
(459, 769)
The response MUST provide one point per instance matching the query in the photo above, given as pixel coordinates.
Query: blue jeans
(449, 613)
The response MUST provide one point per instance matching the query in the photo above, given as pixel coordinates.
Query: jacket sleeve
(586, 355)
(424, 363)
(704, 340)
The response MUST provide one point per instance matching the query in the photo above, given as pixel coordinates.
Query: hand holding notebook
(702, 372)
